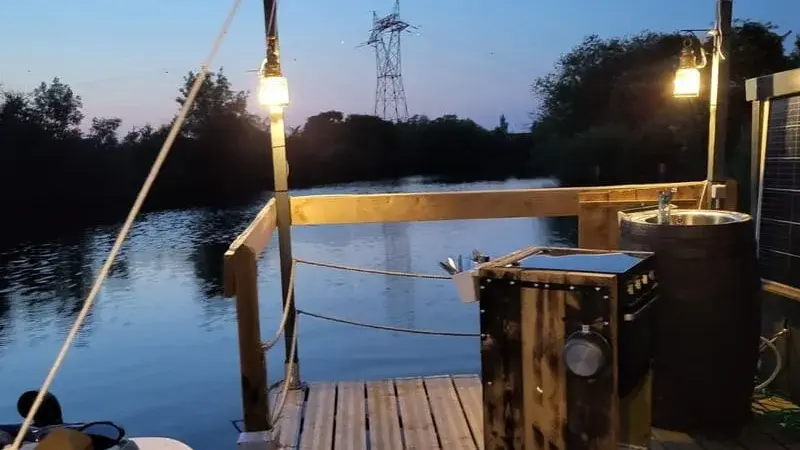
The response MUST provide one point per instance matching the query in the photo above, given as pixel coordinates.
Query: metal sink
(689, 217)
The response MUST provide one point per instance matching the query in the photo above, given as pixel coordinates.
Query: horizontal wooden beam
(688, 203)
(429, 206)
(773, 85)
(783, 290)
(254, 238)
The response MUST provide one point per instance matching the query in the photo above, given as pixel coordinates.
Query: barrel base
(729, 427)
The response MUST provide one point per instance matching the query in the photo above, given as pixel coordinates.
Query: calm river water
(159, 352)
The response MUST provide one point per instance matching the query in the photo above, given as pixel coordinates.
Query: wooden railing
(595, 207)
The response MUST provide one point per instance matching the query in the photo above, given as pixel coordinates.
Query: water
(158, 353)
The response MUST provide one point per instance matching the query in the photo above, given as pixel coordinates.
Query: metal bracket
(719, 190)
(256, 440)
(292, 375)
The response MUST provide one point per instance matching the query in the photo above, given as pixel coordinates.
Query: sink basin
(689, 217)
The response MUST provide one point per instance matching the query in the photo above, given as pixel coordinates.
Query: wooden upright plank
(545, 406)
(317, 433)
(415, 414)
(595, 404)
(384, 419)
(252, 357)
(469, 391)
(501, 347)
(448, 414)
(255, 238)
(288, 423)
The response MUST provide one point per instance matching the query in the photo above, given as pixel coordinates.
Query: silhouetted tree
(104, 131)
(57, 109)
(795, 55)
(606, 116)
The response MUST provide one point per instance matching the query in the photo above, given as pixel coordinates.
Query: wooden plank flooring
(443, 413)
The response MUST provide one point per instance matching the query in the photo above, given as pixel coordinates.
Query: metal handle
(630, 317)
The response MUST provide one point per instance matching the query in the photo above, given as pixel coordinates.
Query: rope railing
(289, 302)
(373, 271)
(387, 327)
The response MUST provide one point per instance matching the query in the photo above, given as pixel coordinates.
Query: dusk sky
(474, 58)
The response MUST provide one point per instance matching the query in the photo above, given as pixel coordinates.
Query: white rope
(374, 271)
(286, 382)
(289, 300)
(287, 305)
(126, 226)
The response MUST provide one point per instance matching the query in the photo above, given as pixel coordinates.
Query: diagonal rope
(126, 226)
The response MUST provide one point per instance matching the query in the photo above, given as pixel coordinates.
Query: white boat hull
(153, 443)
(140, 443)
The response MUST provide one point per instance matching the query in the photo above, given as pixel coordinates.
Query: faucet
(664, 200)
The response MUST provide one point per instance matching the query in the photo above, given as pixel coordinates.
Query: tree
(795, 55)
(608, 88)
(138, 135)
(104, 131)
(216, 101)
(606, 116)
(57, 109)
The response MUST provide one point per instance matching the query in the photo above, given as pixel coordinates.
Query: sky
(473, 58)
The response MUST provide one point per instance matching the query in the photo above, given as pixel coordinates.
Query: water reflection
(399, 301)
(43, 286)
(160, 317)
(563, 231)
(211, 231)
(6, 321)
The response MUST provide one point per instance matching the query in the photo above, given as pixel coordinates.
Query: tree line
(605, 116)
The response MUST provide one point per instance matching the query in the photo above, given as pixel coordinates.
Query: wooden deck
(438, 413)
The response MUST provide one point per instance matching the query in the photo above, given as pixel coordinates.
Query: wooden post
(284, 222)
(252, 359)
(718, 98)
(280, 173)
(755, 156)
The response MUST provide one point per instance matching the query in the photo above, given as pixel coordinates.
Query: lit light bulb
(273, 92)
(687, 82)
(687, 77)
